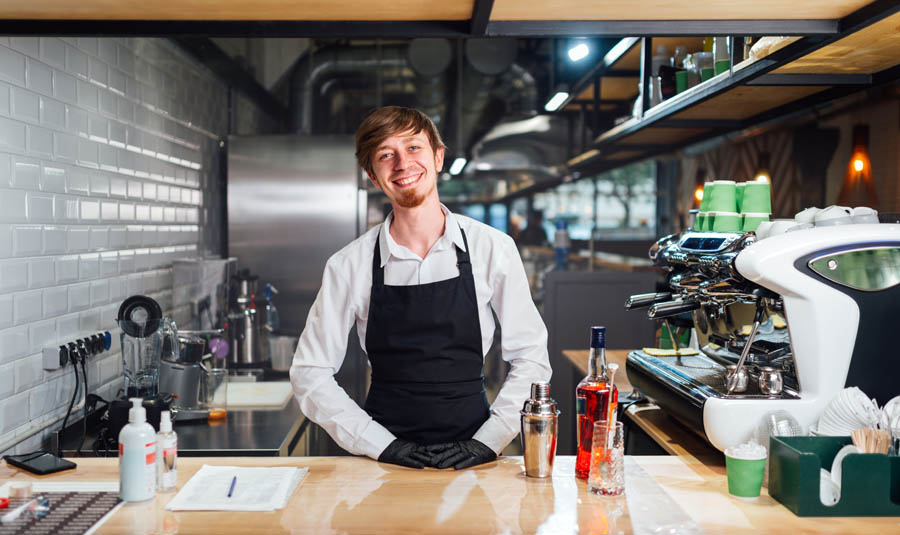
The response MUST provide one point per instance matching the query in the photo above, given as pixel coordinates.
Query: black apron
(424, 344)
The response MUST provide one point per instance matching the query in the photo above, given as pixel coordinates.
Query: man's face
(406, 168)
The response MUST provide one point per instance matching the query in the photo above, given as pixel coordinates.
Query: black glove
(460, 455)
(405, 454)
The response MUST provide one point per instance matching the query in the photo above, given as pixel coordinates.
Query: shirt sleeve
(318, 358)
(523, 346)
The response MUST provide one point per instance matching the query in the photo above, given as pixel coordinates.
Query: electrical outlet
(55, 357)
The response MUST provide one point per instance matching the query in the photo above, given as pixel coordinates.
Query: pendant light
(762, 170)
(858, 188)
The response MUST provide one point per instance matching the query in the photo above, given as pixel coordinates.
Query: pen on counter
(231, 490)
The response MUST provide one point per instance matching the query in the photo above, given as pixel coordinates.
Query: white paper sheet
(256, 489)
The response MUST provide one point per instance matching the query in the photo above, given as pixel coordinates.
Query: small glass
(216, 394)
(607, 474)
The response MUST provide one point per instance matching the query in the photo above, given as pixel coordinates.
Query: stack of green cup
(701, 222)
(752, 220)
(726, 222)
(723, 197)
(757, 198)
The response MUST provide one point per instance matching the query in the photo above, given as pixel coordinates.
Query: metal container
(281, 351)
(741, 379)
(770, 381)
(540, 419)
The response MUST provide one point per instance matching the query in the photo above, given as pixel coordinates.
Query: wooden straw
(871, 440)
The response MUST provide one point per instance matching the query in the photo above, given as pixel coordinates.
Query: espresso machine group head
(797, 316)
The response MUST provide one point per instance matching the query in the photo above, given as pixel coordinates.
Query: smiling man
(421, 288)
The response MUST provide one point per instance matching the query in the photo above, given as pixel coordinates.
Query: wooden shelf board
(612, 88)
(632, 59)
(870, 50)
(673, 10)
(743, 102)
(623, 155)
(661, 136)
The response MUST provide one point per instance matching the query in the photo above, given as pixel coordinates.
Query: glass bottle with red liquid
(595, 399)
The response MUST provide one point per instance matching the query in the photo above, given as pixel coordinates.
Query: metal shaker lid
(540, 403)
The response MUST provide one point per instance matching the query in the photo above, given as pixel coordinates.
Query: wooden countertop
(358, 495)
(673, 437)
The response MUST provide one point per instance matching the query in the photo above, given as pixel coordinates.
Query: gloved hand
(405, 453)
(460, 455)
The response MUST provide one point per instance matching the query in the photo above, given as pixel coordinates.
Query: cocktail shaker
(539, 429)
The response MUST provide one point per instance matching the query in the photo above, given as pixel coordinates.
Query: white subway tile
(77, 181)
(6, 248)
(99, 292)
(26, 240)
(77, 120)
(12, 135)
(118, 187)
(55, 240)
(107, 158)
(108, 103)
(5, 170)
(29, 45)
(88, 153)
(40, 272)
(26, 172)
(150, 235)
(13, 275)
(40, 141)
(88, 95)
(142, 212)
(89, 320)
(67, 326)
(141, 166)
(109, 210)
(134, 284)
(150, 281)
(12, 66)
(156, 214)
(38, 76)
(99, 185)
(13, 207)
(108, 316)
(98, 128)
(78, 239)
(27, 306)
(89, 266)
(66, 269)
(15, 412)
(90, 210)
(28, 372)
(117, 81)
(126, 261)
(40, 207)
(7, 381)
(99, 238)
(13, 344)
(117, 237)
(89, 45)
(53, 178)
(149, 191)
(42, 334)
(126, 60)
(117, 289)
(125, 110)
(126, 162)
(41, 400)
(76, 62)
(126, 211)
(135, 188)
(79, 296)
(53, 51)
(65, 146)
(117, 135)
(169, 214)
(134, 235)
(109, 264)
(64, 87)
(56, 301)
(4, 98)
(6, 313)
(53, 113)
(197, 197)
(142, 259)
(108, 50)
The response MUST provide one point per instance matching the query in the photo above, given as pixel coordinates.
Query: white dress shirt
(500, 284)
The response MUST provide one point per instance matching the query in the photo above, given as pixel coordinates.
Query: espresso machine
(250, 320)
(185, 377)
(797, 316)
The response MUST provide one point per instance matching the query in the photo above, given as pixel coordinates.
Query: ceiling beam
(481, 16)
(660, 28)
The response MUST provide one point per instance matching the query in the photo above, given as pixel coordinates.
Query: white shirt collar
(452, 235)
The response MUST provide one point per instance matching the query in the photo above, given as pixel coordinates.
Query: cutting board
(266, 395)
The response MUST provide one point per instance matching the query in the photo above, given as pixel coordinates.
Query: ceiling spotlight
(556, 100)
(579, 52)
(458, 165)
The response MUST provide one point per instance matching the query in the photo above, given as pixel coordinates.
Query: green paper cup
(739, 196)
(700, 221)
(745, 476)
(757, 198)
(710, 221)
(706, 74)
(708, 188)
(722, 65)
(727, 222)
(723, 197)
(681, 81)
(752, 221)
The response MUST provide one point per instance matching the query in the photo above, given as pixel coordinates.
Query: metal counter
(244, 433)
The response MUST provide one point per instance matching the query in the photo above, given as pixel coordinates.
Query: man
(534, 233)
(420, 288)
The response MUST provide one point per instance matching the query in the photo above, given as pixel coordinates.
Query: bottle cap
(598, 337)
(540, 404)
(137, 413)
(165, 422)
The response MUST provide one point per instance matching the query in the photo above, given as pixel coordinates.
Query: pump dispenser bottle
(166, 455)
(137, 456)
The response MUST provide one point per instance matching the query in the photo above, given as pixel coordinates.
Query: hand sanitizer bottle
(166, 455)
(137, 456)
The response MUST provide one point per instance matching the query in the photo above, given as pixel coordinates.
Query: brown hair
(386, 122)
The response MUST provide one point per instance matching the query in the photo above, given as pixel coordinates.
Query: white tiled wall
(108, 171)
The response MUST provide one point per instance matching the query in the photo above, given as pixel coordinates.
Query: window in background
(621, 203)
(475, 211)
(497, 216)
